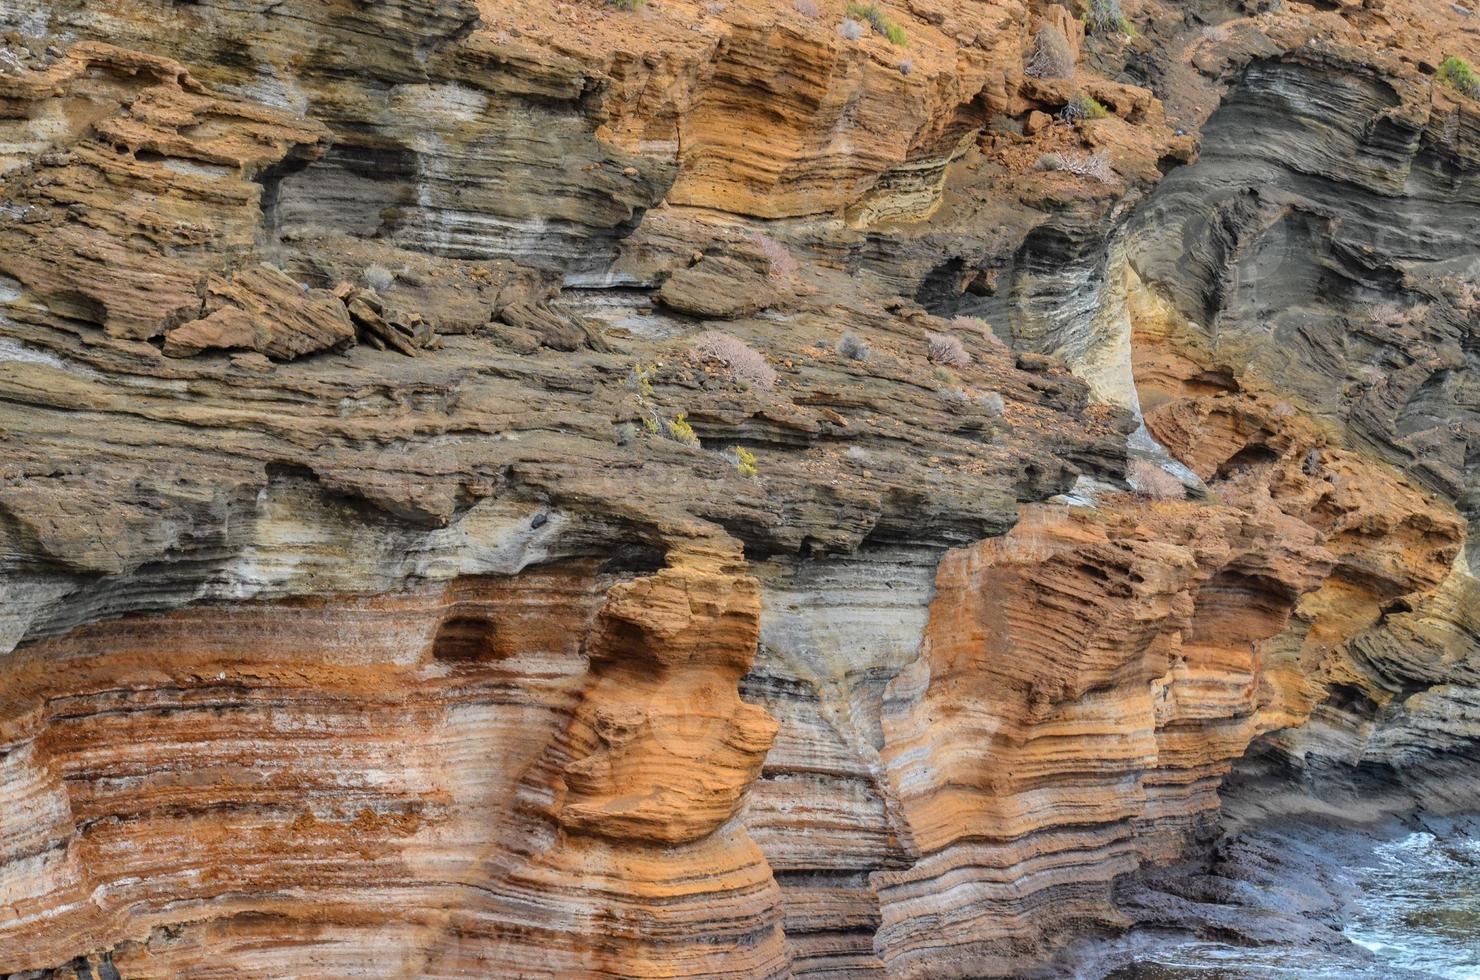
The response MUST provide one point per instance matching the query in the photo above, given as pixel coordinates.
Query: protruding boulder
(263, 310)
(719, 287)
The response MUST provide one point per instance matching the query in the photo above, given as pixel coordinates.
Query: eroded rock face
(388, 587)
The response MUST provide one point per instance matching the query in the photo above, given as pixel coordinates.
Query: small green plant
(650, 424)
(745, 461)
(874, 15)
(1458, 75)
(680, 431)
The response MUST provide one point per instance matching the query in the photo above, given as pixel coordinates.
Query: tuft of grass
(639, 379)
(379, 278)
(626, 4)
(1106, 17)
(745, 462)
(874, 16)
(852, 348)
(1458, 75)
(650, 424)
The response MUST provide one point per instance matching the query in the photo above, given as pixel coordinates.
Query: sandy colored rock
(263, 310)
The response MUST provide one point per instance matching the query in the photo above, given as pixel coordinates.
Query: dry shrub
(745, 364)
(1393, 315)
(1053, 55)
(1150, 480)
(782, 264)
(945, 348)
(1096, 166)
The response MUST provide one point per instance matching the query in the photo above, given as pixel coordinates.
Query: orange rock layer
(547, 774)
(497, 776)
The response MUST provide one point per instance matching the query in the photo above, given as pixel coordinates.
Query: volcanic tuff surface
(552, 489)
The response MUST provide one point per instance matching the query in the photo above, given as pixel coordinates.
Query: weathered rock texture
(388, 588)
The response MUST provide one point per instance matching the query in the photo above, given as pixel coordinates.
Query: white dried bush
(805, 7)
(1467, 296)
(781, 262)
(1150, 480)
(1096, 165)
(947, 349)
(1053, 55)
(745, 364)
(850, 29)
(991, 401)
(852, 348)
(379, 278)
(906, 66)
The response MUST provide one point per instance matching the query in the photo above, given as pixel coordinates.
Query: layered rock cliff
(728, 489)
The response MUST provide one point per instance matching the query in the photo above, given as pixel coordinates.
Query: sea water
(1418, 907)
(1415, 911)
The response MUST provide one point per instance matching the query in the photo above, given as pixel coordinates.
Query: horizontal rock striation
(562, 490)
